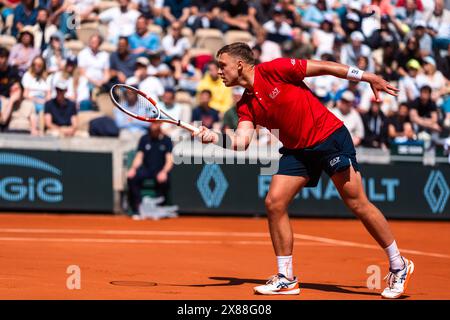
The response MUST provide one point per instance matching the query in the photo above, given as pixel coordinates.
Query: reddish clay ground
(205, 257)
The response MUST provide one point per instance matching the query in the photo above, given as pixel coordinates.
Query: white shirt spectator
(152, 86)
(349, 55)
(352, 121)
(38, 88)
(120, 23)
(389, 103)
(94, 65)
(409, 88)
(172, 48)
(285, 29)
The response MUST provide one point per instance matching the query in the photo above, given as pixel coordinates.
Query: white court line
(146, 241)
(328, 241)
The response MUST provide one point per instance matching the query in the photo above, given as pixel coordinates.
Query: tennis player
(314, 140)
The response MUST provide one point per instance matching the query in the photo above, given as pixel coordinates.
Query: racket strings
(135, 103)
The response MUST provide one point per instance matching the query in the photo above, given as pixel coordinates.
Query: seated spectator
(8, 74)
(154, 161)
(234, 14)
(290, 11)
(204, 113)
(62, 16)
(35, 83)
(410, 52)
(261, 10)
(423, 112)
(231, 118)
(175, 11)
(151, 85)
(424, 39)
(42, 30)
(94, 64)
(409, 11)
(375, 127)
(439, 20)
(408, 84)
(122, 63)
(56, 54)
(17, 113)
(85, 9)
(352, 120)
(177, 111)
(204, 14)
(174, 44)
(269, 50)
(61, 114)
(162, 71)
(129, 127)
(400, 128)
(434, 78)
(121, 20)
(25, 14)
(144, 42)
(323, 37)
(23, 52)
(300, 47)
(68, 75)
(351, 52)
(351, 23)
(314, 14)
(278, 30)
(186, 75)
(221, 95)
(384, 34)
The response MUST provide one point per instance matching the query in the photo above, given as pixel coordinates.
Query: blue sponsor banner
(407, 190)
(55, 180)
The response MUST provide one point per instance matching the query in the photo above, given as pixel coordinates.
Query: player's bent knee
(275, 205)
(358, 206)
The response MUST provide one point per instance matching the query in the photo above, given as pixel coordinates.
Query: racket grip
(188, 126)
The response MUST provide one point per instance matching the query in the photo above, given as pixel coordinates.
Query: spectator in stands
(85, 9)
(186, 75)
(434, 78)
(409, 11)
(400, 128)
(351, 52)
(161, 70)
(34, 81)
(94, 63)
(323, 37)
(62, 16)
(56, 54)
(352, 119)
(151, 85)
(208, 116)
(144, 42)
(42, 30)
(174, 43)
(176, 110)
(129, 127)
(314, 14)
(424, 39)
(385, 34)
(375, 127)
(68, 75)
(175, 11)
(25, 14)
(300, 47)
(423, 112)
(278, 30)
(121, 20)
(439, 20)
(261, 10)
(234, 14)
(8, 73)
(16, 113)
(154, 161)
(122, 63)
(269, 50)
(231, 118)
(408, 85)
(221, 95)
(61, 114)
(351, 23)
(23, 52)
(409, 52)
(292, 15)
(205, 14)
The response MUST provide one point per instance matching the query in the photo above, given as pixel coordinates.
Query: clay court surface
(206, 257)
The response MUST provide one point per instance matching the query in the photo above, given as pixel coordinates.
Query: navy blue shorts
(337, 153)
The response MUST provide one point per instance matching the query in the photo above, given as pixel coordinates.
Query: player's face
(228, 69)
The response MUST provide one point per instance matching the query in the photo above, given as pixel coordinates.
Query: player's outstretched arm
(238, 140)
(319, 68)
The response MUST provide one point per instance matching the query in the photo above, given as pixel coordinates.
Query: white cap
(143, 60)
(429, 60)
(420, 23)
(352, 16)
(348, 96)
(61, 85)
(357, 36)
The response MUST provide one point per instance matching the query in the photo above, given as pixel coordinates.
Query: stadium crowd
(58, 59)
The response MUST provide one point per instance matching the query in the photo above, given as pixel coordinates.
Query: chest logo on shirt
(275, 93)
(293, 62)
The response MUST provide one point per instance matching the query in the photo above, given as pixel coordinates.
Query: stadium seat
(74, 45)
(105, 105)
(238, 36)
(108, 47)
(183, 97)
(86, 30)
(187, 32)
(7, 41)
(106, 4)
(8, 24)
(211, 39)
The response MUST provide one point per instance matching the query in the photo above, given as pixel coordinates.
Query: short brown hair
(239, 49)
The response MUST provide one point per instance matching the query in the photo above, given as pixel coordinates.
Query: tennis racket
(138, 105)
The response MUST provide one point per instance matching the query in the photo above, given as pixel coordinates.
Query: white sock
(395, 259)
(285, 266)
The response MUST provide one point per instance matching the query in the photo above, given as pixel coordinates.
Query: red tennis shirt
(281, 100)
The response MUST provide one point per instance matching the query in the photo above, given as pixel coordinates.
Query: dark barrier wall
(407, 190)
(55, 180)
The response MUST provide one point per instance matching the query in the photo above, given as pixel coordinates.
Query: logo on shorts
(334, 161)
(274, 93)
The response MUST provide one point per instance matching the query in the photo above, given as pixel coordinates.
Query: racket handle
(188, 126)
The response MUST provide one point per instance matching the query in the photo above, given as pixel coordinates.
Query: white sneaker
(397, 280)
(278, 284)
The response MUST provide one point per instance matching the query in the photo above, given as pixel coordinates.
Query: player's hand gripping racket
(138, 105)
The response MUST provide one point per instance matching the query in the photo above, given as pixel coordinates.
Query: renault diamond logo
(212, 195)
(436, 191)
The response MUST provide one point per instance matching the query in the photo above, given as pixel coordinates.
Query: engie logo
(30, 188)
